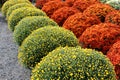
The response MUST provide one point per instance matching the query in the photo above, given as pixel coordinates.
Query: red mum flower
(40, 3)
(113, 17)
(100, 10)
(62, 14)
(52, 6)
(83, 4)
(100, 37)
(70, 2)
(114, 55)
(77, 23)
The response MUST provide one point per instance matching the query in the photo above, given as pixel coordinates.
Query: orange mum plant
(52, 6)
(78, 22)
(62, 14)
(100, 10)
(40, 3)
(100, 37)
(114, 55)
(70, 2)
(83, 4)
(113, 17)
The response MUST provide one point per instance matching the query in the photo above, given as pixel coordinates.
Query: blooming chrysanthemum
(77, 23)
(62, 14)
(10, 3)
(114, 55)
(74, 63)
(100, 37)
(16, 6)
(18, 14)
(100, 10)
(42, 41)
(83, 4)
(113, 17)
(40, 3)
(70, 2)
(23, 29)
(52, 6)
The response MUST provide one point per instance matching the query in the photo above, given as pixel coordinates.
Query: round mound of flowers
(114, 55)
(42, 41)
(100, 37)
(28, 24)
(114, 3)
(16, 6)
(40, 3)
(70, 2)
(74, 63)
(83, 4)
(10, 3)
(21, 13)
(52, 6)
(62, 14)
(77, 23)
(113, 17)
(100, 10)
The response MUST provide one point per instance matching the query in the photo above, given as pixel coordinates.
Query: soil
(10, 69)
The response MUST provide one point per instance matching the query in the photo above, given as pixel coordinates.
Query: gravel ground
(10, 69)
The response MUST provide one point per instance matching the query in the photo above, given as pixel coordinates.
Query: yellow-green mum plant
(42, 41)
(16, 6)
(28, 24)
(10, 3)
(21, 13)
(74, 63)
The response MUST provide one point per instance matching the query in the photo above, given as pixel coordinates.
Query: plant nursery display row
(66, 39)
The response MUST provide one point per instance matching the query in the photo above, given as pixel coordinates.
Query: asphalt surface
(10, 69)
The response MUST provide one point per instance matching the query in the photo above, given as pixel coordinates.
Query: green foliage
(10, 3)
(114, 3)
(74, 63)
(42, 41)
(16, 6)
(21, 13)
(28, 24)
